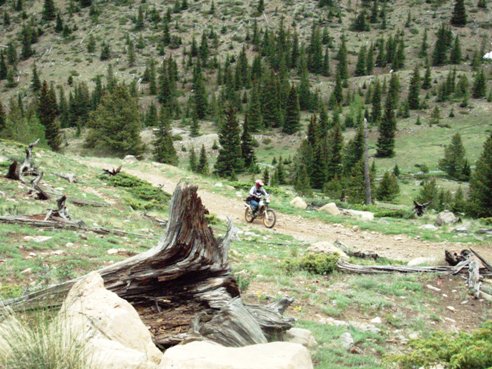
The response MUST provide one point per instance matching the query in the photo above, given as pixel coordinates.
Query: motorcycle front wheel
(269, 219)
(248, 215)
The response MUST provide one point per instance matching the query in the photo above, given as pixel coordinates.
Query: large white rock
(327, 247)
(362, 215)
(330, 208)
(298, 203)
(209, 355)
(111, 327)
(130, 159)
(301, 336)
(446, 217)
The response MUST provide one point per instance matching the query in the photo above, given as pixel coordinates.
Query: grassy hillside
(263, 262)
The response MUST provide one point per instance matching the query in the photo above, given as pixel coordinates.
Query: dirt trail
(400, 247)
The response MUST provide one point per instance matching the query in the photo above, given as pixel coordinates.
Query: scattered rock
(366, 216)
(464, 228)
(27, 271)
(301, 336)
(450, 308)
(69, 244)
(110, 326)
(446, 217)
(130, 159)
(123, 252)
(376, 320)
(37, 239)
(330, 208)
(429, 227)
(218, 184)
(209, 355)
(327, 247)
(430, 287)
(298, 203)
(347, 340)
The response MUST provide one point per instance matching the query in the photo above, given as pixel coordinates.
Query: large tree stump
(183, 288)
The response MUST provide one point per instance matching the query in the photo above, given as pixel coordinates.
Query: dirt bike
(263, 212)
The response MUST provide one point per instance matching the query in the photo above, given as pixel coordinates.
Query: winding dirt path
(400, 247)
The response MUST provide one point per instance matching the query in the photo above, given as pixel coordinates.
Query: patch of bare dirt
(399, 247)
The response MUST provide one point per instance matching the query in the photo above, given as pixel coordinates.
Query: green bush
(144, 196)
(315, 263)
(458, 351)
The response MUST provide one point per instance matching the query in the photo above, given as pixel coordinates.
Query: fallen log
(183, 287)
(69, 225)
(95, 204)
(357, 254)
(70, 177)
(484, 262)
(375, 269)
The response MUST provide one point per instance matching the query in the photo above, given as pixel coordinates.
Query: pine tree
(229, 162)
(342, 68)
(482, 4)
(429, 192)
(360, 67)
(255, 118)
(480, 195)
(115, 124)
(459, 14)
(424, 46)
(140, 23)
(266, 176)
(387, 129)
(376, 103)
(370, 60)
(360, 23)
(388, 187)
(91, 44)
(260, 8)
(439, 56)
(35, 82)
(199, 93)
(335, 154)
(193, 160)
(164, 151)
(301, 180)
(202, 166)
(59, 23)
(459, 202)
(85, 3)
(195, 127)
(455, 57)
(414, 90)
(105, 51)
(3, 66)
(396, 170)
(479, 85)
(247, 145)
(315, 52)
(47, 112)
(426, 83)
(49, 10)
(27, 51)
(3, 118)
(270, 101)
(292, 115)
(131, 54)
(454, 158)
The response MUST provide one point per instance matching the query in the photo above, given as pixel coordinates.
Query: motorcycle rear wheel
(269, 218)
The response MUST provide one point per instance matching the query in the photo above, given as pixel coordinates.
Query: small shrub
(315, 263)
(458, 351)
(393, 213)
(143, 194)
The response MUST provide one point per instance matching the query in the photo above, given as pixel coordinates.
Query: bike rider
(255, 195)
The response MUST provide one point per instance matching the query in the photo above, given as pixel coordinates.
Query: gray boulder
(330, 208)
(446, 217)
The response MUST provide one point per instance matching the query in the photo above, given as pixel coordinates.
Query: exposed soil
(399, 247)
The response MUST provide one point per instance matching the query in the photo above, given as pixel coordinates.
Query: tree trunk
(18, 171)
(183, 287)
